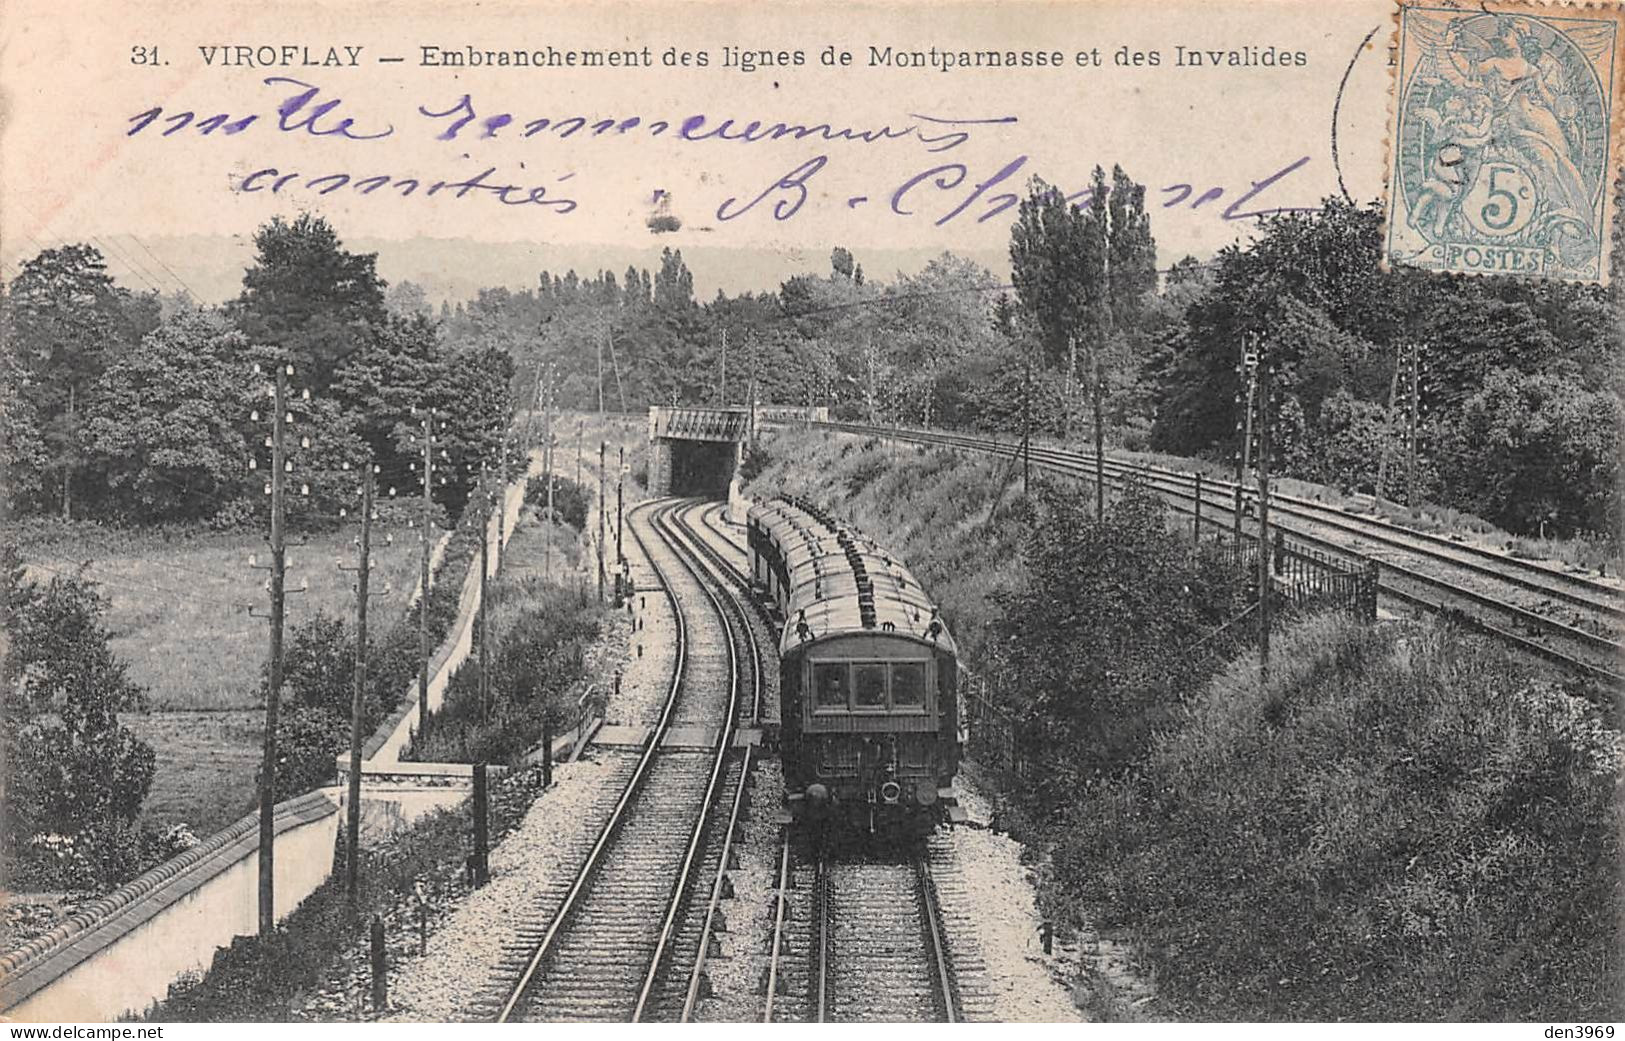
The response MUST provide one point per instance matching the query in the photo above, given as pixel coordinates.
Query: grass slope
(179, 602)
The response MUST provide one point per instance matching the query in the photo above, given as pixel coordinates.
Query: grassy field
(179, 603)
(206, 766)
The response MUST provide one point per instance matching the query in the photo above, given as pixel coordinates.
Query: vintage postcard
(1506, 139)
(833, 511)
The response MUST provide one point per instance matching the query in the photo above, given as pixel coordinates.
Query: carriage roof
(842, 581)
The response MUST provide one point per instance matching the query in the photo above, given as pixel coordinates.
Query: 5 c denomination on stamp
(1504, 142)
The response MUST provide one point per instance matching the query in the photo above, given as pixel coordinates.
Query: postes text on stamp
(1504, 144)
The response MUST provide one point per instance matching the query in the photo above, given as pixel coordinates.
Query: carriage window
(908, 684)
(870, 681)
(829, 686)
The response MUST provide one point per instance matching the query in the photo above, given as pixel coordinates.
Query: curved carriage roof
(842, 581)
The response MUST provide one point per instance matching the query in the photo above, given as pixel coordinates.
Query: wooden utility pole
(1264, 578)
(620, 517)
(579, 425)
(547, 471)
(485, 601)
(273, 694)
(1246, 370)
(601, 374)
(722, 388)
(1411, 426)
(363, 568)
(1388, 426)
(1100, 441)
(425, 548)
(1027, 420)
(602, 448)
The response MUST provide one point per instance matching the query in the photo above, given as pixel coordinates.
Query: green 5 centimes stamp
(1504, 144)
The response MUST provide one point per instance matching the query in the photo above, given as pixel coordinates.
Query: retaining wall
(120, 954)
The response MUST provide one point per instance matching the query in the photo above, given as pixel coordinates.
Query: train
(868, 677)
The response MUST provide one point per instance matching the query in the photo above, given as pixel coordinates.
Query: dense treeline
(133, 408)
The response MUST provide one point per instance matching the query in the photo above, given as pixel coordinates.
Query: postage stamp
(1504, 141)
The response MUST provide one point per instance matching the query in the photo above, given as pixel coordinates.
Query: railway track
(870, 933)
(879, 953)
(1560, 616)
(621, 943)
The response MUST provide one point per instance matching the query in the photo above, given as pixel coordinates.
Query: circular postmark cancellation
(1504, 139)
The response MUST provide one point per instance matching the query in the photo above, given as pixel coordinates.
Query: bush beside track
(1407, 823)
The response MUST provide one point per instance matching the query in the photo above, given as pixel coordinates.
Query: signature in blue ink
(790, 192)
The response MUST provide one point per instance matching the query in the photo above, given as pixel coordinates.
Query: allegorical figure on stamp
(1501, 142)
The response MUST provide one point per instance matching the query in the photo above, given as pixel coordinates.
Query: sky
(107, 104)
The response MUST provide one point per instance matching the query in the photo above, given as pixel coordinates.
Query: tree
(673, 283)
(309, 297)
(407, 300)
(66, 322)
(70, 768)
(165, 425)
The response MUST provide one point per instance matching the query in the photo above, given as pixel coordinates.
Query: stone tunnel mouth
(702, 469)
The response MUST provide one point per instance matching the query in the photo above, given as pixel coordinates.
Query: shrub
(536, 660)
(1455, 860)
(570, 500)
(308, 743)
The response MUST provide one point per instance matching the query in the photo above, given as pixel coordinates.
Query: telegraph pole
(279, 560)
(423, 572)
(1411, 425)
(602, 448)
(1100, 441)
(601, 374)
(620, 517)
(579, 424)
(1263, 524)
(363, 568)
(485, 599)
(547, 470)
(722, 389)
(1388, 425)
(1246, 376)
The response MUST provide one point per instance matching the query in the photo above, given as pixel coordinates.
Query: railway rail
(614, 947)
(879, 953)
(1563, 617)
(873, 935)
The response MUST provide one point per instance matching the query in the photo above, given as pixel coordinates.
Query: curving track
(621, 944)
(1558, 615)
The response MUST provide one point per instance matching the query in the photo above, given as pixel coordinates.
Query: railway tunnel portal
(696, 451)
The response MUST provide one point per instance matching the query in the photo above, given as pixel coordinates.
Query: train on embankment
(868, 677)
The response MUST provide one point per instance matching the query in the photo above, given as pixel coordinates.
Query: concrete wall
(397, 732)
(120, 954)
(660, 468)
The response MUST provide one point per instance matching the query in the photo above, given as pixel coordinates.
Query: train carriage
(868, 676)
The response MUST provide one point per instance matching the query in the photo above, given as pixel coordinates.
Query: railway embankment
(1404, 821)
